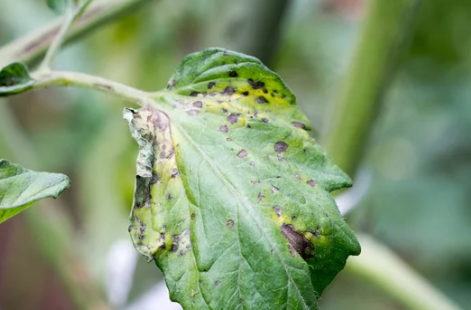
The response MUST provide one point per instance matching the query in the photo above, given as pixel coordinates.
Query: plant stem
(383, 35)
(121, 91)
(381, 266)
(71, 16)
(32, 46)
(53, 230)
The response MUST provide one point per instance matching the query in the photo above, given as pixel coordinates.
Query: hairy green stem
(70, 17)
(380, 265)
(383, 35)
(82, 80)
(33, 45)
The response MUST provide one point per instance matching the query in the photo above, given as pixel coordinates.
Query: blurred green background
(418, 166)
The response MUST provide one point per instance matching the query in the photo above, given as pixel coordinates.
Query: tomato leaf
(232, 194)
(15, 79)
(20, 188)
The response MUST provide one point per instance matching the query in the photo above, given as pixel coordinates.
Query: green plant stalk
(380, 265)
(383, 35)
(53, 229)
(70, 17)
(32, 46)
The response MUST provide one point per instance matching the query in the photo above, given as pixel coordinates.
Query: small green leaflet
(232, 194)
(15, 79)
(20, 188)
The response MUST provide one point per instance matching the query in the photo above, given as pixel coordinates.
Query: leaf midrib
(241, 199)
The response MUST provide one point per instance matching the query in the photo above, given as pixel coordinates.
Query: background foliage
(416, 167)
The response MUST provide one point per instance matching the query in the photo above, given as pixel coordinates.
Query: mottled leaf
(20, 188)
(14, 79)
(232, 195)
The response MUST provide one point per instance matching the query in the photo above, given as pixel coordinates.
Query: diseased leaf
(232, 195)
(15, 79)
(20, 188)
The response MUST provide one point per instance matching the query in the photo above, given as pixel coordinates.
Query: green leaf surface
(232, 195)
(20, 188)
(58, 6)
(15, 79)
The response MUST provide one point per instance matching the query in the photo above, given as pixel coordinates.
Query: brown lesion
(298, 243)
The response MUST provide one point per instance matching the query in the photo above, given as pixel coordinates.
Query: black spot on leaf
(229, 91)
(297, 242)
(230, 224)
(233, 118)
(211, 85)
(194, 93)
(255, 85)
(311, 182)
(299, 125)
(242, 153)
(261, 99)
(198, 104)
(233, 74)
(224, 129)
(281, 147)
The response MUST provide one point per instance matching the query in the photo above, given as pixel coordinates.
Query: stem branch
(62, 78)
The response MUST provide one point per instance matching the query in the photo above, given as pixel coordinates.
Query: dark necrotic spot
(233, 74)
(245, 93)
(194, 93)
(198, 104)
(277, 210)
(233, 117)
(228, 139)
(281, 147)
(169, 197)
(174, 248)
(242, 154)
(265, 120)
(182, 252)
(224, 129)
(229, 90)
(249, 127)
(260, 197)
(315, 233)
(174, 172)
(255, 85)
(297, 242)
(193, 216)
(217, 283)
(230, 223)
(311, 182)
(261, 99)
(299, 125)
(211, 85)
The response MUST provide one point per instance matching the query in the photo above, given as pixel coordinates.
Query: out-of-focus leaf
(15, 79)
(232, 195)
(58, 6)
(20, 188)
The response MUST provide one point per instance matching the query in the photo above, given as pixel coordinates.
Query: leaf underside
(15, 79)
(20, 188)
(232, 195)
